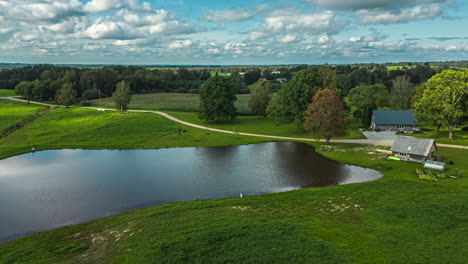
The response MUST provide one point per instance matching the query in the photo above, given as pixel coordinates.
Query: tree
(401, 93)
(368, 98)
(66, 95)
(217, 97)
(444, 99)
(297, 94)
(325, 117)
(122, 96)
(260, 98)
(25, 89)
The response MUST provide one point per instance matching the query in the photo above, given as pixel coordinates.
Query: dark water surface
(48, 189)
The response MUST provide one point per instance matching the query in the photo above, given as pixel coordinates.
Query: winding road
(170, 117)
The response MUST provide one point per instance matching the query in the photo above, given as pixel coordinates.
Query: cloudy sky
(232, 32)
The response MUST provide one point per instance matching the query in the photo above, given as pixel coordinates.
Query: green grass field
(5, 92)
(85, 128)
(459, 137)
(265, 126)
(14, 112)
(171, 102)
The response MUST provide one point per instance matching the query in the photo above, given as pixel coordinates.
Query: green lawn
(459, 137)
(171, 101)
(5, 92)
(265, 126)
(85, 128)
(397, 219)
(14, 112)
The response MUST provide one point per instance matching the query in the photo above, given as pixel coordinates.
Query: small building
(276, 72)
(281, 80)
(393, 120)
(413, 149)
(262, 80)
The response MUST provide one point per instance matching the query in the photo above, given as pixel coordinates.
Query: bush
(464, 129)
(90, 94)
(85, 103)
(428, 178)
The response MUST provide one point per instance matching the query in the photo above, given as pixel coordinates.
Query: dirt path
(355, 141)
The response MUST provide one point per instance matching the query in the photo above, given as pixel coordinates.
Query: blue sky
(232, 32)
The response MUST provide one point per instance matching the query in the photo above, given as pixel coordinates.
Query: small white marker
(241, 195)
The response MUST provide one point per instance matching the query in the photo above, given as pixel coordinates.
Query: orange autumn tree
(324, 117)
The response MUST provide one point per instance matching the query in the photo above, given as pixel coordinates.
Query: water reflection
(62, 187)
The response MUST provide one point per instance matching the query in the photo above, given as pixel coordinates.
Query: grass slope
(14, 112)
(170, 101)
(265, 126)
(86, 128)
(5, 92)
(398, 219)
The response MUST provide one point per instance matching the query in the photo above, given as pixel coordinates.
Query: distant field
(398, 67)
(14, 112)
(171, 102)
(5, 92)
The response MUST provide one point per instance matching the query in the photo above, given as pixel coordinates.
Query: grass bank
(397, 219)
(86, 128)
(171, 102)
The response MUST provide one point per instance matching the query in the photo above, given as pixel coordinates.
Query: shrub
(90, 94)
(465, 129)
(85, 103)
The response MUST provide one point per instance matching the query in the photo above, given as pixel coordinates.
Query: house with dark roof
(413, 149)
(393, 120)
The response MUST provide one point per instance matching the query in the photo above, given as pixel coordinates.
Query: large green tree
(297, 94)
(324, 117)
(66, 95)
(217, 97)
(122, 96)
(444, 99)
(25, 89)
(367, 98)
(260, 97)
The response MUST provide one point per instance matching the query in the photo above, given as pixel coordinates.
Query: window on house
(403, 154)
(400, 126)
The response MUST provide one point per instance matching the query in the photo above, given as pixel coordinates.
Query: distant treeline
(46, 80)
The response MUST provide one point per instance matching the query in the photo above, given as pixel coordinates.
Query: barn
(413, 149)
(393, 120)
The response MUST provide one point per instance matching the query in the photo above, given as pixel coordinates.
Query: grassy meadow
(171, 102)
(5, 92)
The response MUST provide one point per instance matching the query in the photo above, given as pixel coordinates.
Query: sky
(216, 32)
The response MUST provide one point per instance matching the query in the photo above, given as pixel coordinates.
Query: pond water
(47, 189)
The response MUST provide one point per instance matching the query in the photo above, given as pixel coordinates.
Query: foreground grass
(12, 112)
(171, 102)
(265, 126)
(5, 92)
(86, 128)
(459, 137)
(398, 219)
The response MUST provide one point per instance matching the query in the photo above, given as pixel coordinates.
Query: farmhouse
(393, 120)
(413, 149)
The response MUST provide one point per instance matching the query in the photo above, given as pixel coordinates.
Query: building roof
(393, 117)
(412, 145)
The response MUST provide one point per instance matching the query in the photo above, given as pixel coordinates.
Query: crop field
(171, 102)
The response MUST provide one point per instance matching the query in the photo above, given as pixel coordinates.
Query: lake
(48, 189)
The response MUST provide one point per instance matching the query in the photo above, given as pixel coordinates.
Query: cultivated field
(171, 102)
